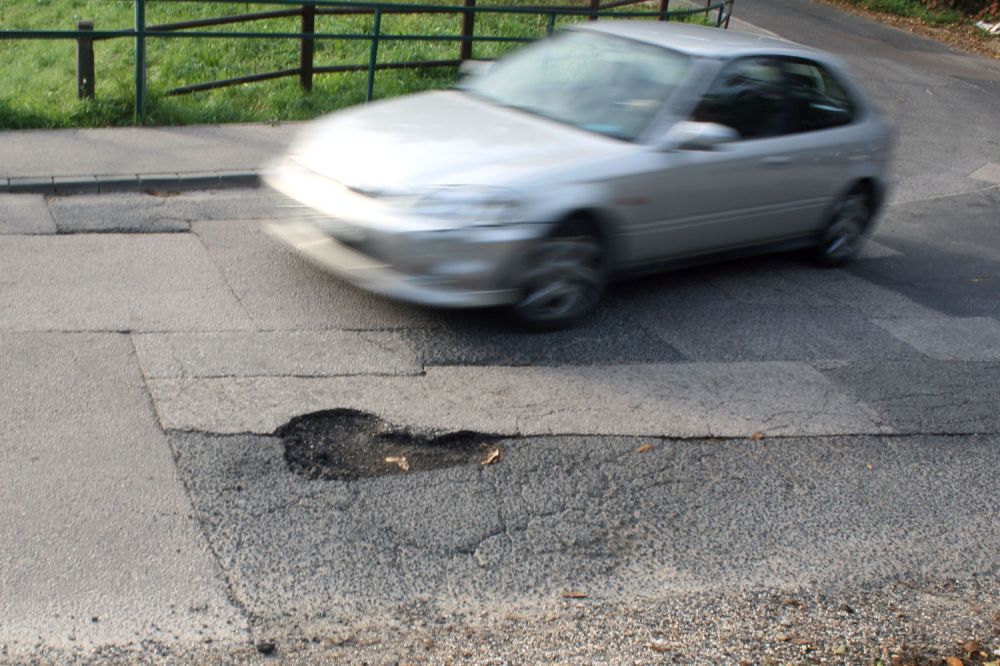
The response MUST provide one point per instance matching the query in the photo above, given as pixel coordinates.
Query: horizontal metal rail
(328, 69)
(227, 20)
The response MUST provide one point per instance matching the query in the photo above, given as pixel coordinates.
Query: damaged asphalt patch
(618, 519)
(346, 444)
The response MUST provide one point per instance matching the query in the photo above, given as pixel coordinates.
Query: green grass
(37, 78)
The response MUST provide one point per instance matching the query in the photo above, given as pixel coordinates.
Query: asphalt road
(755, 461)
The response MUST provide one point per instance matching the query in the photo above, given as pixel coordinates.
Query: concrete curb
(169, 182)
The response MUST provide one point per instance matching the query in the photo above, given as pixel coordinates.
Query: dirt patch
(963, 36)
(345, 444)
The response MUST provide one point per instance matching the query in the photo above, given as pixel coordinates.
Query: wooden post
(595, 5)
(84, 60)
(308, 47)
(468, 30)
(664, 8)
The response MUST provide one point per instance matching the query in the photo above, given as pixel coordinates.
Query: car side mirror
(690, 135)
(475, 67)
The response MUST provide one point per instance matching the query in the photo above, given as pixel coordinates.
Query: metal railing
(308, 10)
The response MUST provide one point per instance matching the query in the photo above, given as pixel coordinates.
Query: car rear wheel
(563, 280)
(845, 233)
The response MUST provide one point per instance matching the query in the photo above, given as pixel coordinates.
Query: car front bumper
(389, 252)
(372, 275)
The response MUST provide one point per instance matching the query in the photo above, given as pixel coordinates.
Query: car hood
(442, 138)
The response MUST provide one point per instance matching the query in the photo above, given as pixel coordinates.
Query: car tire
(562, 279)
(844, 234)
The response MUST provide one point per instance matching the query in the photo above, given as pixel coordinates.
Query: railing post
(373, 57)
(308, 47)
(664, 8)
(595, 5)
(140, 60)
(550, 26)
(468, 29)
(729, 13)
(84, 60)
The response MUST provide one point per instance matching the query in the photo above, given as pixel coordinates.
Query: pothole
(345, 444)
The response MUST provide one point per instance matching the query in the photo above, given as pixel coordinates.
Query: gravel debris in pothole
(346, 445)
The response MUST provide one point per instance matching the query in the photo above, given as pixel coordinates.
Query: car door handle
(776, 160)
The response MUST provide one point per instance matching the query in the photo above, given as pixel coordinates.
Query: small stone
(266, 647)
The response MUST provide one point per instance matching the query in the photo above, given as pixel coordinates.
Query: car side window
(816, 99)
(747, 96)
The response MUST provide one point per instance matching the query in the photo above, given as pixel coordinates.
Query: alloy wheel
(564, 280)
(844, 235)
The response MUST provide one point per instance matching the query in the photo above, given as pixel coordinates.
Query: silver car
(610, 149)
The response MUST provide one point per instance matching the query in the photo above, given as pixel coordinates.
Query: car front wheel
(563, 279)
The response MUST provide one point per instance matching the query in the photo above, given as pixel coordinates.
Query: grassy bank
(37, 78)
(913, 9)
(949, 25)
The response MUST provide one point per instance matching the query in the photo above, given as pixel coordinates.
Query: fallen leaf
(954, 661)
(645, 448)
(574, 594)
(972, 646)
(839, 650)
(757, 436)
(492, 456)
(659, 645)
(870, 467)
(400, 461)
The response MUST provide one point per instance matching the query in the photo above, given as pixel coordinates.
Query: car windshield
(601, 83)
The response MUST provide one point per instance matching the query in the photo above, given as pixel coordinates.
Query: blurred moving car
(609, 149)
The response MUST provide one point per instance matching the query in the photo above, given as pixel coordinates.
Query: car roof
(700, 40)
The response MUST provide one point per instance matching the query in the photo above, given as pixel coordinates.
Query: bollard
(84, 60)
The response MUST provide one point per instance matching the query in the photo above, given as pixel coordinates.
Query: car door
(735, 195)
(824, 139)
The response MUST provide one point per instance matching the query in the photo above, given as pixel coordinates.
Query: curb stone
(179, 182)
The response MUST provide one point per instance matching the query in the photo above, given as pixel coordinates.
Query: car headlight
(480, 206)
